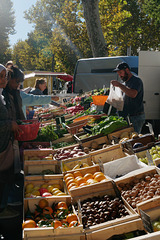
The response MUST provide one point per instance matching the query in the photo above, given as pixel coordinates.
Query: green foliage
(47, 134)
(7, 23)
(60, 29)
(152, 9)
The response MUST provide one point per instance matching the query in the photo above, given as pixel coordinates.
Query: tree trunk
(94, 30)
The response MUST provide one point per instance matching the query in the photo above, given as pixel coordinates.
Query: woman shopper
(14, 105)
(7, 129)
(40, 86)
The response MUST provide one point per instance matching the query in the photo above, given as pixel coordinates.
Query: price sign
(146, 221)
(79, 210)
(101, 165)
(118, 193)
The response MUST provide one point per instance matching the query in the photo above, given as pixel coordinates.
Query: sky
(22, 26)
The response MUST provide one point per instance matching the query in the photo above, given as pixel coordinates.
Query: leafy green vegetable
(109, 125)
(47, 134)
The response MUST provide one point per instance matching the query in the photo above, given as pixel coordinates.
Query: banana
(85, 165)
(66, 168)
(76, 167)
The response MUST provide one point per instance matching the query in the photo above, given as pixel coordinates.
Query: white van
(149, 72)
(94, 73)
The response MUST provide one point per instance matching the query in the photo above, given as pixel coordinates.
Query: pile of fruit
(101, 209)
(79, 165)
(141, 189)
(62, 153)
(76, 179)
(58, 215)
(155, 152)
(44, 190)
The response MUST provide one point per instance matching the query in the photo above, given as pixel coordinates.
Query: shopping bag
(115, 98)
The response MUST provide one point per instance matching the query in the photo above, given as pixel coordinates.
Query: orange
(99, 177)
(61, 205)
(68, 178)
(80, 181)
(72, 184)
(77, 174)
(47, 210)
(56, 224)
(88, 176)
(70, 181)
(78, 178)
(73, 224)
(68, 175)
(91, 181)
(97, 173)
(83, 184)
(73, 187)
(71, 217)
(43, 203)
(104, 180)
(29, 224)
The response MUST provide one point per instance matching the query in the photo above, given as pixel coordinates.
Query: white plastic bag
(115, 98)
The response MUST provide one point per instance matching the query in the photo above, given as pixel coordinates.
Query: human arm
(128, 91)
(32, 100)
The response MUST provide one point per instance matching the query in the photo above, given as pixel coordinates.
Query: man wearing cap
(132, 87)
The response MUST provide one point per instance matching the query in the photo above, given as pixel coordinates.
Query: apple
(46, 194)
(43, 190)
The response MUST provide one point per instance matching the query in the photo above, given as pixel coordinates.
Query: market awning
(64, 76)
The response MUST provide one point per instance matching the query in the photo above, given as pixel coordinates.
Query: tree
(62, 25)
(91, 15)
(113, 17)
(7, 23)
(152, 9)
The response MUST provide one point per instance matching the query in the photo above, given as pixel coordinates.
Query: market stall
(85, 179)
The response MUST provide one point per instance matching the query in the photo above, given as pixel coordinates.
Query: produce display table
(73, 181)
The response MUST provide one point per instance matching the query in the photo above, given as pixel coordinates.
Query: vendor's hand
(15, 128)
(55, 98)
(115, 83)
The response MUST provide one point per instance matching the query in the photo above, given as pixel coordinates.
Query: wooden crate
(108, 154)
(136, 175)
(151, 207)
(107, 189)
(118, 229)
(100, 141)
(48, 232)
(140, 173)
(57, 234)
(157, 162)
(118, 133)
(89, 189)
(34, 167)
(151, 236)
(147, 140)
(75, 127)
(67, 138)
(46, 179)
(36, 154)
(71, 163)
(35, 162)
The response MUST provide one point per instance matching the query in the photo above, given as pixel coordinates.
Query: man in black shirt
(132, 87)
